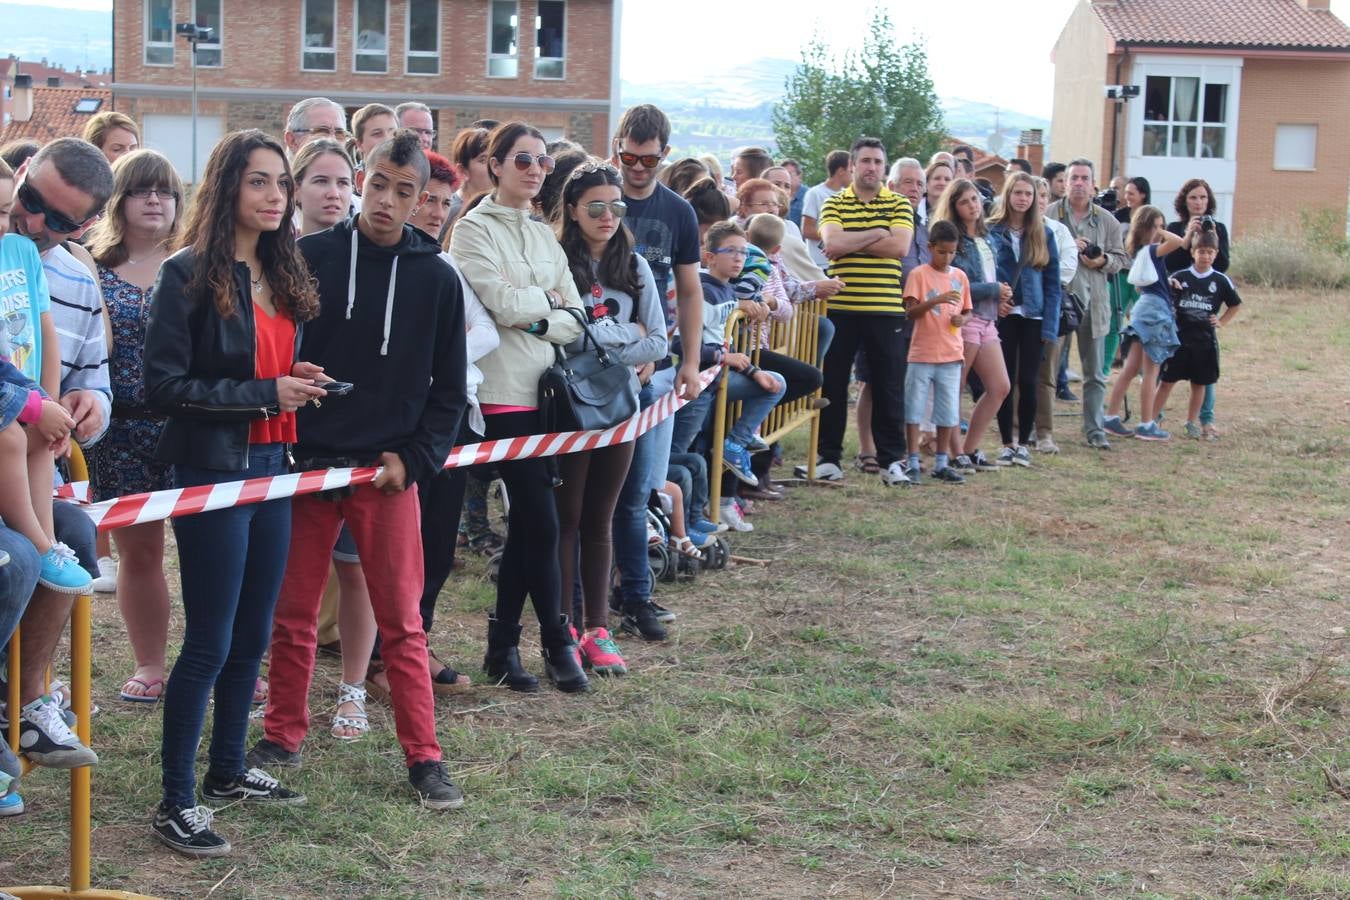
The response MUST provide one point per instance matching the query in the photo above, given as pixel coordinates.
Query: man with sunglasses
(665, 233)
(59, 193)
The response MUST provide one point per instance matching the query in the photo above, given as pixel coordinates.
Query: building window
(550, 48)
(502, 36)
(320, 49)
(1185, 117)
(206, 13)
(424, 37)
(1296, 147)
(159, 32)
(372, 36)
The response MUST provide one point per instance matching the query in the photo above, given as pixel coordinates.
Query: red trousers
(389, 542)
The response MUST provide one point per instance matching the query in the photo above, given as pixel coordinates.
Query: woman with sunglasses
(129, 243)
(522, 277)
(220, 363)
(627, 320)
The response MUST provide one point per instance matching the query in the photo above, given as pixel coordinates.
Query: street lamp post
(194, 34)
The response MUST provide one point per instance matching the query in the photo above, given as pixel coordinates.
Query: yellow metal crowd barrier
(81, 652)
(799, 338)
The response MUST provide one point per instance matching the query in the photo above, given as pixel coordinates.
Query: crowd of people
(337, 299)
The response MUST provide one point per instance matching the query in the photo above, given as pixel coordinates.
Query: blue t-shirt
(23, 300)
(665, 233)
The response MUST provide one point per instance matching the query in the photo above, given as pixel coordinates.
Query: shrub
(1286, 255)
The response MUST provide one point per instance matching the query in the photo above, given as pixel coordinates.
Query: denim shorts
(345, 549)
(979, 332)
(1152, 322)
(941, 381)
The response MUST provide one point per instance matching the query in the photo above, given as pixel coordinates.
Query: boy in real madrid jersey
(1199, 292)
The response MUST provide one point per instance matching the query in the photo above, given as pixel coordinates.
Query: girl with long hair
(220, 364)
(129, 243)
(1152, 324)
(628, 320)
(1028, 324)
(962, 205)
(522, 276)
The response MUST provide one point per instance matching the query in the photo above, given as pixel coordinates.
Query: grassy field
(1111, 674)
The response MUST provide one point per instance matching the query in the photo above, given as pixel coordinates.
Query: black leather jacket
(199, 371)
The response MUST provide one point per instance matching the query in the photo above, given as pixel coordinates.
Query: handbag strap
(587, 336)
(1021, 260)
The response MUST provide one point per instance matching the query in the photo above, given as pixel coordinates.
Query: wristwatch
(539, 327)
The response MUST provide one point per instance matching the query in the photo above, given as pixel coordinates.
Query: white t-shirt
(812, 204)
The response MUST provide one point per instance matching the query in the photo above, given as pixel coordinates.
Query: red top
(276, 350)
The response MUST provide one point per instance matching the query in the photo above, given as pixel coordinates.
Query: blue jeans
(824, 336)
(756, 404)
(629, 531)
(690, 419)
(696, 494)
(1207, 407)
(17, 580)
(231, 562)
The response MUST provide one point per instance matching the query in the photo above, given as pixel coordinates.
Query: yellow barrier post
(81, 688)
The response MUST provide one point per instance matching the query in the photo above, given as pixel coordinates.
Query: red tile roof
(1284, 24)
(54, 113)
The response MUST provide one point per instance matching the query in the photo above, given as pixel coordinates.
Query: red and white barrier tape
(138, 509)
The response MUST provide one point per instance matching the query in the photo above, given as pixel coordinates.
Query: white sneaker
(1005, 457)
(1071, 375)
(1047, 445)
(825, 471)
(106, 582)
(895, 475)
(731, 514)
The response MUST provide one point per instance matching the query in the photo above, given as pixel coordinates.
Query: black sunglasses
(55, 221)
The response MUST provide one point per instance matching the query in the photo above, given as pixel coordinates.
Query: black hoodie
(398, 335)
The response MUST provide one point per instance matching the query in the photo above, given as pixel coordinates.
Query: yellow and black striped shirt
(872, 284)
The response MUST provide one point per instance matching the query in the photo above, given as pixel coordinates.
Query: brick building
(1251, 95)
(553, 63)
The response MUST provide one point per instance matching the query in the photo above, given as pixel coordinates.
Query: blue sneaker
(756, 445)
(61, 571)
(1151, 432)
(737, 461)
(11, 805)
(1116, 427)
(707, 527)
(700, 539)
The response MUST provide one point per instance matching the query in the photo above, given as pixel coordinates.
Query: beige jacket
(510, 260)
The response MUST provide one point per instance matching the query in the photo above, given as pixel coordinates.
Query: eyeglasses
(734, 251)
(523, 161)
(648, 160)
(56, 221)
(424, 132)
(336, 134)
(158, 193)
(760, 204)
(596, 208)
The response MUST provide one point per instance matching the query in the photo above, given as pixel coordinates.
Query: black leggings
(1022, 348)
(530, 558)
(591, 482)
(801, 378)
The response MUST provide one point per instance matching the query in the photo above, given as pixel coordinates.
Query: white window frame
(409, 53)
(537, 58)
(216, 45)
(356, 52)
(147, 43)
(305, 49)
(511, 56)
(1199, 123)
(1275, 154)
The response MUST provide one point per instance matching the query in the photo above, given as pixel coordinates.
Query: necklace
(256, 282)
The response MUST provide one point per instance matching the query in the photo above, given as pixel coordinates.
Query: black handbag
(588, 390)
(1071, 311)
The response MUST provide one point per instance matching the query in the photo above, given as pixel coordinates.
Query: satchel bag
(1143, 272)
(588, 390)
(1071, 311)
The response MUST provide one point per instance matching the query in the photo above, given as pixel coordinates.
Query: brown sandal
(867, 463)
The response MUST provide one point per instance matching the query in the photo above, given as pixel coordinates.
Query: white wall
(172, 136)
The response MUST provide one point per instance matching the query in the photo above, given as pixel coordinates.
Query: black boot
(502, 661)
(562, 663)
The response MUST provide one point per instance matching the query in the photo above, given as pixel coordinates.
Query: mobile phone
(338, 388)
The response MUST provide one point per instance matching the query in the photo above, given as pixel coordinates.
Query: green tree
(884, 91)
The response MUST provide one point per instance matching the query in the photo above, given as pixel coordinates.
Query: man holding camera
(1100, 255)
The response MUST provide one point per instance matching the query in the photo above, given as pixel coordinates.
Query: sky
(995, 51)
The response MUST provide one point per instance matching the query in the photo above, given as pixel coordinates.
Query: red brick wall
(261, 49)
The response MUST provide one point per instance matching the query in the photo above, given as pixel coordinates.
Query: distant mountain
(73, 38)
(720, 110)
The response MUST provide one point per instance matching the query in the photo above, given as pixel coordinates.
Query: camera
(1206, 223)
(1092, 251)
(1108, 200)
(196, 34)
